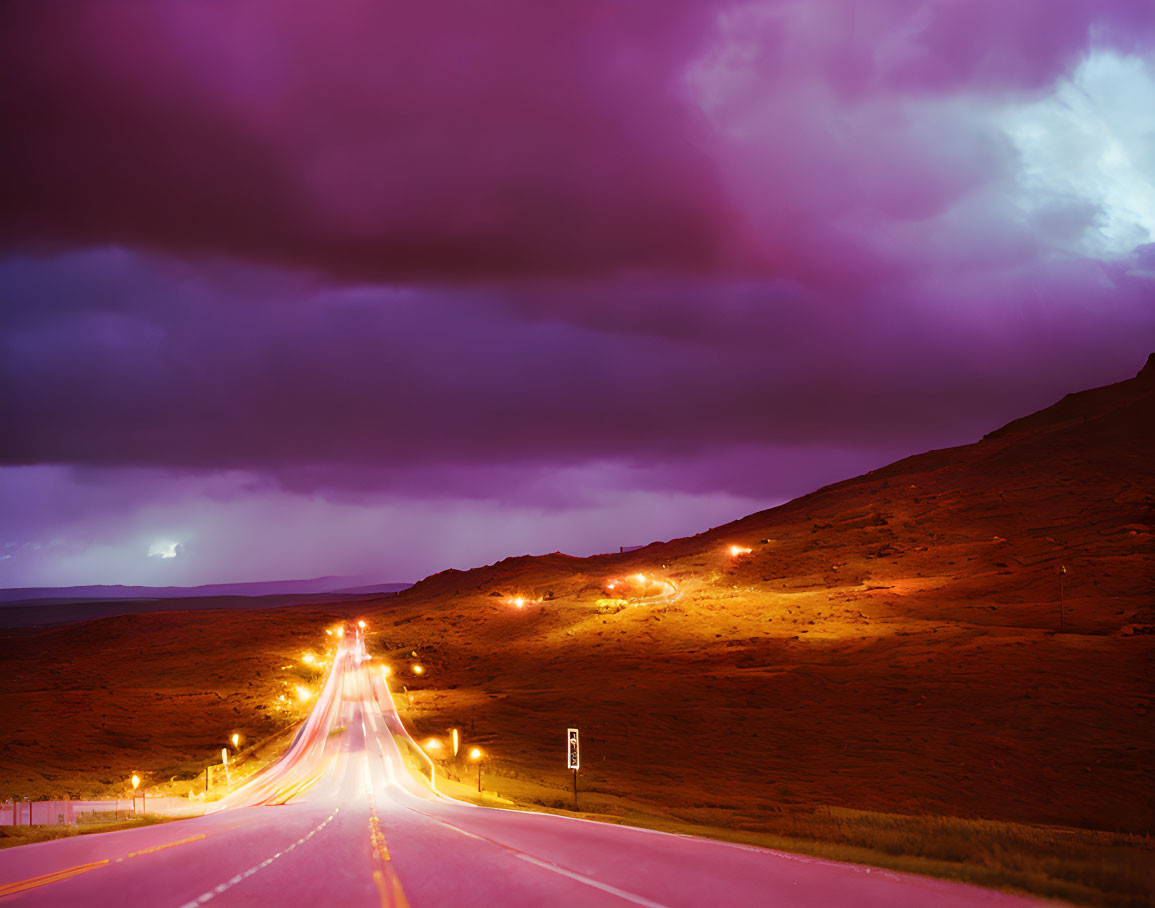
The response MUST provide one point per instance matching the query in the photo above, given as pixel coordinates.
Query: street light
(432, 744)
(135, 786)
(475, 755)
(456, 742)
(361, 624)
(418, 669)
(236, 740)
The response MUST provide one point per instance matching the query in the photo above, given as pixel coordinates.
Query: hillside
(890, 644)
(1072, 484)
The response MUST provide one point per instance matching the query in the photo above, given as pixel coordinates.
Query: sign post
(574, 761)
(1062, 572)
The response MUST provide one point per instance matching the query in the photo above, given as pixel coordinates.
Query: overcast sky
(297, 288)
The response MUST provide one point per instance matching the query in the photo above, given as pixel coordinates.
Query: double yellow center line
(47, 878)
(58, 875)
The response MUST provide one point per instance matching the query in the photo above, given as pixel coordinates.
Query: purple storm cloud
(353, 287)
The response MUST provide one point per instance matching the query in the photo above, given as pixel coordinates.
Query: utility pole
(1062, 619)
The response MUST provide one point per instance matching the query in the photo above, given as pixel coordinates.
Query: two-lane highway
(339, 820)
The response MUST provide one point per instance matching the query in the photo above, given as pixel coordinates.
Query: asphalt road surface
(341, 821)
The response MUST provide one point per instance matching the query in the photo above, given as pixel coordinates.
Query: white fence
(40, 813)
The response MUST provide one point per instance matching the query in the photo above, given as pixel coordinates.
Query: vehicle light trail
(341, 819)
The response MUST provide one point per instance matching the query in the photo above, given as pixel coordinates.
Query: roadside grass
(1077, 865)
(11, 836)
(1082, 866)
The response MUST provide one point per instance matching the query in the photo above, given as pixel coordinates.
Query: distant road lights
(304, 694)
(385, 671)
(739, 550)
(309, 659)
(433, 745)
(519, 602)
(418, 669)
(328, 633)
(641, 578)
(361, 624)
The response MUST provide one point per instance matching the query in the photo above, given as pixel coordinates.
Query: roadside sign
(573, 749)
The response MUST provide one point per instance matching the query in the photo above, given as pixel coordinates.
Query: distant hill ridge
(327, 584)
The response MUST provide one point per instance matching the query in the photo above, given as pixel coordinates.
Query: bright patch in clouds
(1087, 156)
(164, 549)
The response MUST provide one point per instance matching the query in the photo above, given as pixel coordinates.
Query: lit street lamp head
(475, 753)
(135, 781)
(236, 739)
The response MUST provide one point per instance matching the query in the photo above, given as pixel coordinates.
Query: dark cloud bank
(548, 255)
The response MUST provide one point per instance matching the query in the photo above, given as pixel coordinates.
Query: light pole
(475, 755)
(1062, 573)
